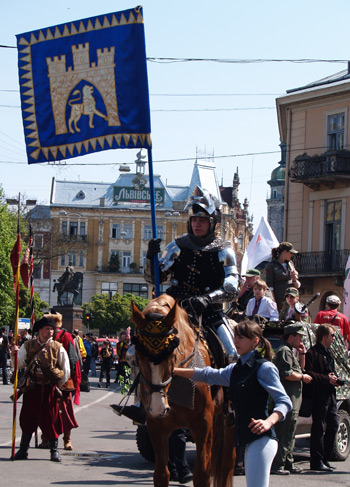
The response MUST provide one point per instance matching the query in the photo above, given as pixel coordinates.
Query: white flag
(346, 293)
(259, 248)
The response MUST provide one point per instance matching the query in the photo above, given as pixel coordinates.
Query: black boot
(53, 450)
(22, 453)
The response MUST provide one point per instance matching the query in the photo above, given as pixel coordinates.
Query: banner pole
(154, 222)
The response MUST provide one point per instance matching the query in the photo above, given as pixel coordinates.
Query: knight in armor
(202, 268)
(67, 276)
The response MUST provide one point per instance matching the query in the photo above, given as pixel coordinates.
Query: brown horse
(164, 339)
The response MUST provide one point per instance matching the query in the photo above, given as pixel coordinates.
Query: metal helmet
(203, 204)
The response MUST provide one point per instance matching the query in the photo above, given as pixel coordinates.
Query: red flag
(25, 268)
(15, 256)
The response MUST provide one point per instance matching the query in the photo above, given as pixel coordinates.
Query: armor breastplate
(195, 273)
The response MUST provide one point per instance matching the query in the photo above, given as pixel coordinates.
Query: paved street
(106, 454)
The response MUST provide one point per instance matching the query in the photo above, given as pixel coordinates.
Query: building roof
(334, 78)
(88, 194)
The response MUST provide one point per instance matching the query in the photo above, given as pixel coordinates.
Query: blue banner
(84, 87)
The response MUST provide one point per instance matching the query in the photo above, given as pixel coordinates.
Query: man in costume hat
(47, 368)
(72, 386)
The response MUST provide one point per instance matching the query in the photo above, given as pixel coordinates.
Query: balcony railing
(317, 263)
(327, 167)
(120, 271)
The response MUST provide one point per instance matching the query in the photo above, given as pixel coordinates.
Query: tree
(114, 264)
(24, 304)
(8, 233)
(112, 315)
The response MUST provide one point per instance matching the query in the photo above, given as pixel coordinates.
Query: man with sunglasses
(319, 364)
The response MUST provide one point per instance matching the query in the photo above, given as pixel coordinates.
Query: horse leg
(202, 433)
(160, 442)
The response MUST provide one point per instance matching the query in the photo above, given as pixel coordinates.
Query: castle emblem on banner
(76, 93)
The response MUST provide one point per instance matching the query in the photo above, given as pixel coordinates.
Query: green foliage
(114, 264)
(8, 235)
(24, 304)
(112, 315)
(125, 383)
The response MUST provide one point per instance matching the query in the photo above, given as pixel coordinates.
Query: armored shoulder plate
(170, 254)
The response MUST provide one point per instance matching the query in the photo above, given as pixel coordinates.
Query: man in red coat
(331, 316)
(47, 368)
(73, 384)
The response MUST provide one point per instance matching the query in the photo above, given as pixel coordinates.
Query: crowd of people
(203, 273)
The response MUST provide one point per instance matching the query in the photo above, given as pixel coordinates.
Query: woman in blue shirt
(251, 382)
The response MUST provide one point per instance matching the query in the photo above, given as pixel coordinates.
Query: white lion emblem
(87, 107)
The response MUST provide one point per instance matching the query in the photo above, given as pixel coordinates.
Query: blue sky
(189, 29)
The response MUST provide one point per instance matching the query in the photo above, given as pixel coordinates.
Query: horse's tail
(224, 453)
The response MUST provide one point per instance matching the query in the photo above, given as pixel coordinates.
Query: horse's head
(155, 341)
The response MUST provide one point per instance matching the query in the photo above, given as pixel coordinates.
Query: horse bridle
(162, 385)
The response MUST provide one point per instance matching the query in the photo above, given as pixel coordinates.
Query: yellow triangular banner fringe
(101, 141)
(27, 67)
(41, 37)
(32, 126)
(89, 26)
(98, 26)
(78, 146)
(93, 143)
(35, 143)
(66, 32)
(134, 138)
(118, 139)
(109, 139)
(31, 118)
(123, 20)
(86, 145)
(71, 148)
(27, 75)
(57, 33)
(114, 22)
(63, 150)
(29, 92)
(35, 154)
(33, 135)
(33, 39)
(73, 30)
(126, 139)
(81, 28)
(53, 151)
(131, 18)
(45, 151)
(23, 41)
(106, 24)
(49, 35)
(26, 50)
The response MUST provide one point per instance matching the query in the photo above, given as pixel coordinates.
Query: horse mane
(162, 305)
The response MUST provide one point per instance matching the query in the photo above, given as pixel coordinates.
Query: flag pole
(154, 221)
(17, 262)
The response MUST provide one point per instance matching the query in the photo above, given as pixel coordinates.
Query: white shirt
(267, 308)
